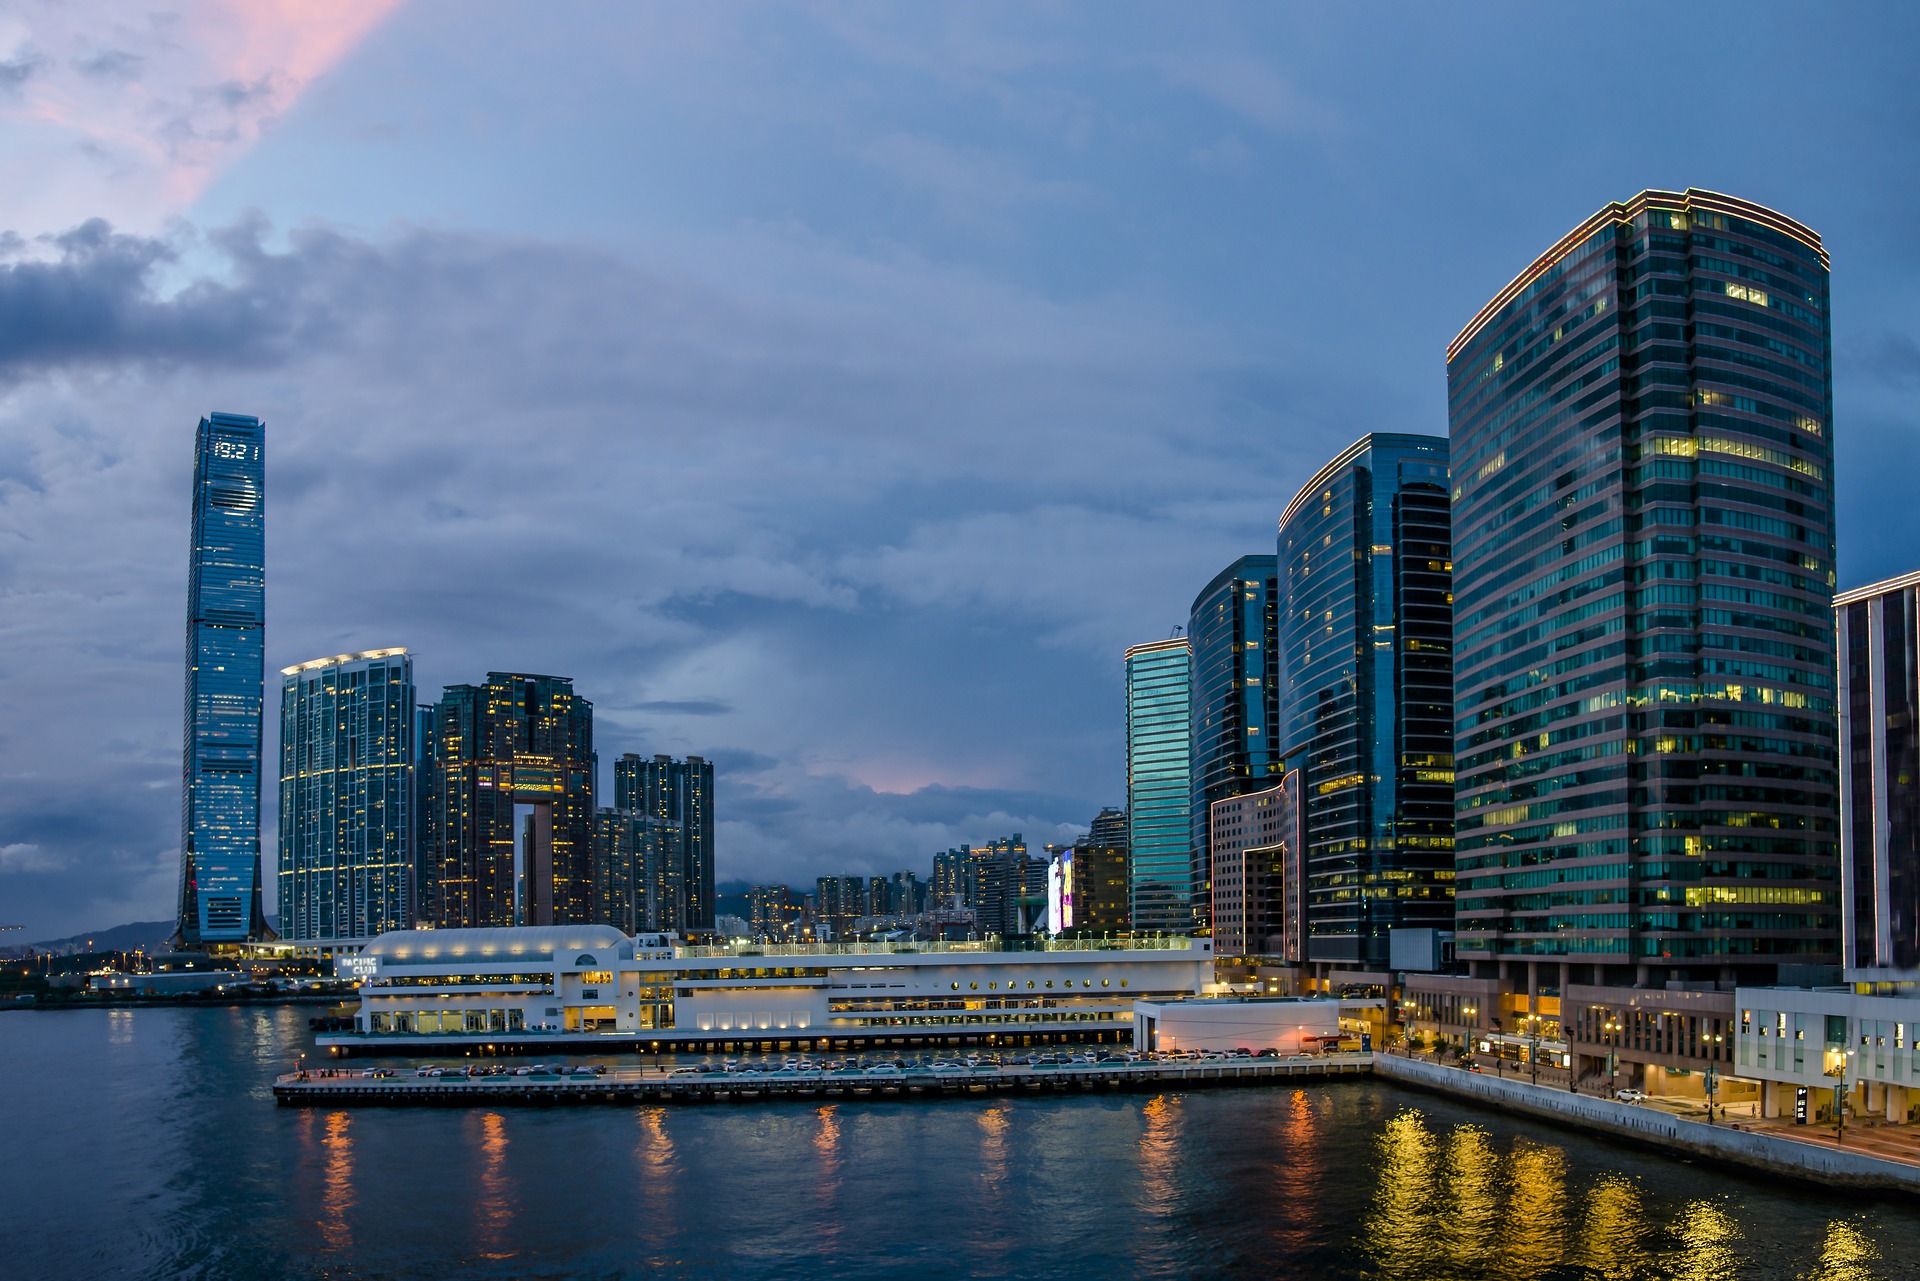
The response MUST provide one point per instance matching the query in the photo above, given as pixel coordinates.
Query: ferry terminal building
(594, 989)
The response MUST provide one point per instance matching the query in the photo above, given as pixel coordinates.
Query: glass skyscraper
(220, 890)
(347, 796)
(678, 798)
(1159, 785)
(1235, 733)
(1366, 687)
(1879, 635)
(517, 742)
(1643, 582)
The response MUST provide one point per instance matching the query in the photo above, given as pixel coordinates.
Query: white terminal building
(592, 987)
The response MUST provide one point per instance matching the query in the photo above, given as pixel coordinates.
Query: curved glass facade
(1159, 792)
(1643, 577)
(220, 891)
(1235, 745)
(1365, 697)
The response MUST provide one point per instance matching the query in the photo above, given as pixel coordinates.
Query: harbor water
(146, 1144)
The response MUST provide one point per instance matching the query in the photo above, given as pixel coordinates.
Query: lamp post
(1713, 1041)
(1612, 1028)
(1839, 1070)
(1473, 1028)
(1533, 1045)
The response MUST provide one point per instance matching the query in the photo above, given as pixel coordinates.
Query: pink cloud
(129, 112)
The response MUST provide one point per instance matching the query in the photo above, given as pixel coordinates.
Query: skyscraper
(1879, 706)
(1643, 576)
(1094, 884)
(521, 742)
(346, 864)
(220, 891)
(1235, 734)
(1159, 791)
(678, 795)
(638, 871)
(1366, 707)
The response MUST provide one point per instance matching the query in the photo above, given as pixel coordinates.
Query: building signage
(357, 968)
(1800, 1106)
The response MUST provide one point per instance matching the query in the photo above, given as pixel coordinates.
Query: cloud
(22, 857)
(845, 541)
(134, 109)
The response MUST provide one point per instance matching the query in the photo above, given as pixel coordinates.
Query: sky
(834, 391)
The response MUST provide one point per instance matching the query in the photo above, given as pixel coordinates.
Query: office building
(1159, 785)
(1235, 733)
(1008, 888)
(678, 795)
(1365, 705)
(220, 892)
(1643, 576)
(426, 784)
(517, 743)
(347, 796)
(1879, 710)
(1094, 881)
(1254, 839)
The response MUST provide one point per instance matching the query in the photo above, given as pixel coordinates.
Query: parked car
(1630, 1096)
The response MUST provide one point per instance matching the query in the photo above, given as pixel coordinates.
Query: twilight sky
(831, 390)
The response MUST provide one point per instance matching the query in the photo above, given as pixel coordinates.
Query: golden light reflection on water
(1458, 1206)
(337, 1197)
(1297, 1179)
(1159, 1154)
(656, 1149)
(826, 1146)
(1846, 1255)
(493, 1214)
(1613, 1235)
(1705, 1252)
(1470, 1199)
(1536, 1219)
(993, 1147)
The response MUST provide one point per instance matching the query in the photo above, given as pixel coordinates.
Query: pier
(392, 1087)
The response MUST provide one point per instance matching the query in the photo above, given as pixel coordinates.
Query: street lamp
(1612, 1028)
(1533, 1045)
(1839, 1070)
(1473, 1028)
(1712, 1040)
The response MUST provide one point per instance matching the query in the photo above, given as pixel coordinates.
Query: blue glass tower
(1159, 791)
(1366, 695)
(1236, 740)
(220, 899)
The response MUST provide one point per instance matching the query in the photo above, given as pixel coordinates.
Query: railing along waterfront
(1151, 943)
(336, 1087)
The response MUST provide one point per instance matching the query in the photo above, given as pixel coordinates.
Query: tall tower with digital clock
(220, 891)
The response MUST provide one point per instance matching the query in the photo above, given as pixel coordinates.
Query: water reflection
(1469, 1211)
(493, 1213)
(337, 1197)
(1613, 1237)
(1159, 1154)
(1705, 1248)
(826, 1147)
(1404, 1207)
(1847, 1255)
(1297, 1178)
(1536, 1229)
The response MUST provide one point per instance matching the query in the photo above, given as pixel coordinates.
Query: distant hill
(146, 936)
(138, 936)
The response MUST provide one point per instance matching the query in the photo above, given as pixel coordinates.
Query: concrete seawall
(1755, 1150)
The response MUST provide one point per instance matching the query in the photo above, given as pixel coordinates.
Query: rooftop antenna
(1178, 629)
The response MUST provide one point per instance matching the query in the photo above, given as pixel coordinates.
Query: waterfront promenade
(338, 1087)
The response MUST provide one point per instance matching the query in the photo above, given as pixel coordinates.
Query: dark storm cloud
(94, 300)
